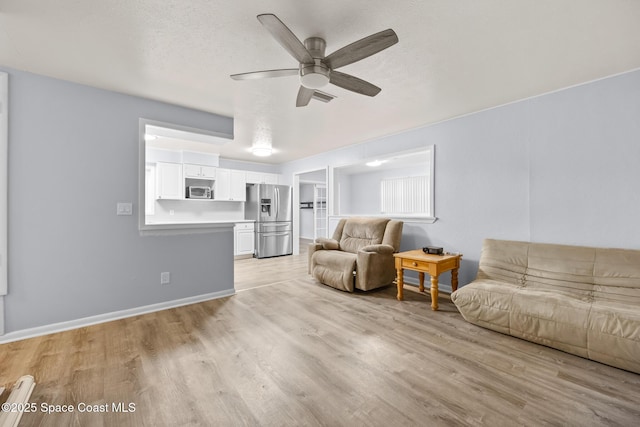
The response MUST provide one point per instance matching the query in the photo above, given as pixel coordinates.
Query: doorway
(310, 218)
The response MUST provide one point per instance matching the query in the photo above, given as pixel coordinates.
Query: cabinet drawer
(244, 226)
(414, 264)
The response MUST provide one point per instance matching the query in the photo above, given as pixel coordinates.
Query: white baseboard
(108, 317)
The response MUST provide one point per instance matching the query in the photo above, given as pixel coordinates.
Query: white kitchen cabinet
(199, 171)
(271, 178)
(243, 243)
(223, 184)
(238, 190)
(254, 177)
(230, 185)
(262, 178)
(169, 182)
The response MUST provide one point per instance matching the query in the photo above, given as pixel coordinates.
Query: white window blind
(407, 195)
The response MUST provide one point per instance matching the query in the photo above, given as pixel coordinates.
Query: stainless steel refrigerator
(270, 206)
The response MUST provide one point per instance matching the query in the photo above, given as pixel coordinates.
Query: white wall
(558, 168)
(73, 154)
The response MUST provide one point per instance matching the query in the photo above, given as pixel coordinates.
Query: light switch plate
(124, 208)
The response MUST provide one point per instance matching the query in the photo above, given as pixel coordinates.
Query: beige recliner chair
(360, 254)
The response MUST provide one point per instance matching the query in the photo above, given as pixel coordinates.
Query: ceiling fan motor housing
(316, 75)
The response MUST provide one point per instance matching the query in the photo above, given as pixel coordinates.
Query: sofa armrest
(312, 248)
(328, 243)
(375, 267)
(381, 249)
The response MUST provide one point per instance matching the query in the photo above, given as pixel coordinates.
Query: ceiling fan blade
(304, 96)
(353, 84)
(361, 49)
(285, 37)
(266, 74)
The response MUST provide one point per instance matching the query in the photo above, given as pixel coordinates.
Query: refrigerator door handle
(286, 233)
(277, 200)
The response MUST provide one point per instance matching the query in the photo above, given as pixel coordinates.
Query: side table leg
(454, 279)
(434, 292)
(421, 277)
(400, 283)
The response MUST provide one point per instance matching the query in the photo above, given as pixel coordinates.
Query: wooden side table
(417, 260)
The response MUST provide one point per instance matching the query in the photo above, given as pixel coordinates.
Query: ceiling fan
(316, 69)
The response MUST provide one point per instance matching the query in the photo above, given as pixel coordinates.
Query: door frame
(4, 179)
(296, 203)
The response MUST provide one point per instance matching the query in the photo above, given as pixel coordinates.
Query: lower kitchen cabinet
(243, 242)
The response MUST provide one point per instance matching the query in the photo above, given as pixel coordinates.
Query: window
(406, 195)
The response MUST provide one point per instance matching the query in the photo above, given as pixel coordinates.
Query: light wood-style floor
(287, 351)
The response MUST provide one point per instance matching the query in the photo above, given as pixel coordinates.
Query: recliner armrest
(328, 243)
(381, 249)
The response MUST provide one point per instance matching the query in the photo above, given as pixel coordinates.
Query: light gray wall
(559, 168)
(73, 154)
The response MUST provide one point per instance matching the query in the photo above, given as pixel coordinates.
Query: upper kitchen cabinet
(238, 185)
(230, 185)
(169, 181)
(262, 178)
(199, 171)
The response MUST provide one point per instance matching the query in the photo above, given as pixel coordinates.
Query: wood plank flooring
(287, 351)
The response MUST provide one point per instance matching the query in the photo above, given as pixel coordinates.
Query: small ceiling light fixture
(261, 150)
(262, 147)
(375, 163)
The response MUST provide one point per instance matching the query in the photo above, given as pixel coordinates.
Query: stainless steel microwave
(198, 192)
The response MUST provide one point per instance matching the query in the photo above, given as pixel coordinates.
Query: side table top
(419, 255)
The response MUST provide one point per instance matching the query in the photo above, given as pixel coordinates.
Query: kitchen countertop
(235, 221)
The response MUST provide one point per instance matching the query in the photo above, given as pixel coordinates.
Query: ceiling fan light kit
(314, 76)
(317, 70)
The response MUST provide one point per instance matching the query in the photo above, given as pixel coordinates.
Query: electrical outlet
(124, 208)
(165, 278)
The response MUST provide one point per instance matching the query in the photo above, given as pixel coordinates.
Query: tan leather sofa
(359, 255)
(581, 300)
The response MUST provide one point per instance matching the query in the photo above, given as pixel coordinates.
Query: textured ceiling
(453, 58)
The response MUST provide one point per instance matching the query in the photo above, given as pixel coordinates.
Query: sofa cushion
(505, 261)
(487, 303)
(562, 269)
(614, 334)
(616, 276)
(334, 268)
(360, 232)
(551, 319)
